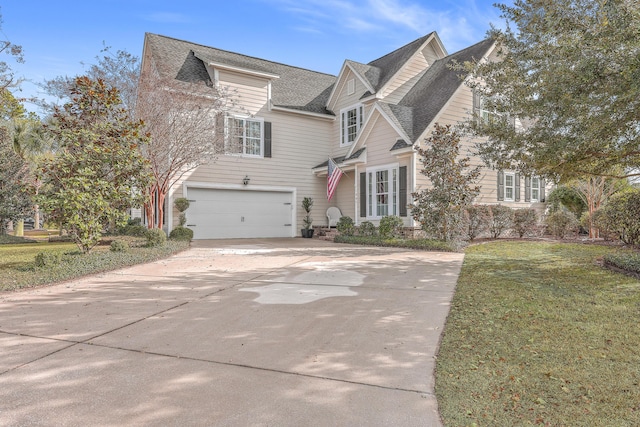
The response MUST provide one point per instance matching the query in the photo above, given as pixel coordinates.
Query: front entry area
(239, 213)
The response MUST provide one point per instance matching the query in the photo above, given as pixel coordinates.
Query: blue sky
(57, 36)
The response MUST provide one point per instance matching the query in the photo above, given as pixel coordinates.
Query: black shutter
(267, 139)
(517, 187)
(527, 188)
(476, 102)
(363, 195)
(542, 185)
(500, 186)
(402, 190)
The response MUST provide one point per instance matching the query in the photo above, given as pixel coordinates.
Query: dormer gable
(385, 75)
(353, 75)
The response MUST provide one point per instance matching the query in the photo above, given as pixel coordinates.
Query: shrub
(560, 223)
(134, 230)
(605, 226)
(181, 203)
(156, 237)
(181, 233)
(477, 220)
(524, 221)
(48, 259)
(345, 226)
(622, 216)
(629, 262)
(390, 226)
(501, 219)
(568, 198)
(367, 229)
(119, 246)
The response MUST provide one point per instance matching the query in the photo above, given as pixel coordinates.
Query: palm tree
(31, 142)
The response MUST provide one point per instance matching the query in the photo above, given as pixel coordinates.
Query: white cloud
(458, 23)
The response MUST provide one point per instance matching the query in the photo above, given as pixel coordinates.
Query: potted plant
(307, 231)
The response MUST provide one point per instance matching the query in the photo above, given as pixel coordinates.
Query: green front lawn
(18, 270)
(539, 334)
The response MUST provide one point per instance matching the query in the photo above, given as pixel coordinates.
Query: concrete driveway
(278, 332)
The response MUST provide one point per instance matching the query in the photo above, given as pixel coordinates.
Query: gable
(353, 75)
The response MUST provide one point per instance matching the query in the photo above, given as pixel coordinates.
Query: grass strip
(539, 334)
(18, 270)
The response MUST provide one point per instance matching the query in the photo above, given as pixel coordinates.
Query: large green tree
(98, 170)
(569, 72)
(440, 208)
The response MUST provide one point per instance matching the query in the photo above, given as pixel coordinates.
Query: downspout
(412, 222)
(355, 195)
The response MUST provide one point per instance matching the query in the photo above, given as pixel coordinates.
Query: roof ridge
(401, 47)
(240, 54)
(468, 47)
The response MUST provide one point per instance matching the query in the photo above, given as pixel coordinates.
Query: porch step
(325, 233)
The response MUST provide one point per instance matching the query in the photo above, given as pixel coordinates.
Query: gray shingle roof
(297, 88)
(341, 159)
(400, 144)
(390, 63)
(369, 73)
(430, 94)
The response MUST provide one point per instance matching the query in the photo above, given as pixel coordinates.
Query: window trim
(512, 186)
(344, 130)
(227, 132)
(393, 192)
(537, 188)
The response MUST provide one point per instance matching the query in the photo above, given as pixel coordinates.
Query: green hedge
(629, 262)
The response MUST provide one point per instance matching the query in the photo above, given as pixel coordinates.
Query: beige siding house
(367, 120)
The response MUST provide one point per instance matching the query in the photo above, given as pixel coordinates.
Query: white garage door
(221, 214)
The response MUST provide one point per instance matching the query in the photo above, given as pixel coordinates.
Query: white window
(509, 186)
(486, 116)
(382, 192)
(483, 115)
(351, 121)
(535, 189)
(244, 136)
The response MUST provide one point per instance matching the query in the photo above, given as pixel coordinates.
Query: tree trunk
(149, 207)
(161, 196)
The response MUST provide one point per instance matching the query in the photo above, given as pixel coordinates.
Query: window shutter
(363, 195)
(542, 185)
(267, 139)
(517, 187)
(500, 186)
(343, 127)
(476, 101)
(402, 189)
(527, 188)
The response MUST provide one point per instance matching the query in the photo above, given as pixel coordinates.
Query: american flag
(333, 177)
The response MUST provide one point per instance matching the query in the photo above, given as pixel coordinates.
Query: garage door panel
(217, 213)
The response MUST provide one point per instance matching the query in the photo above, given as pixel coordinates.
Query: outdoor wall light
(246, 180)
